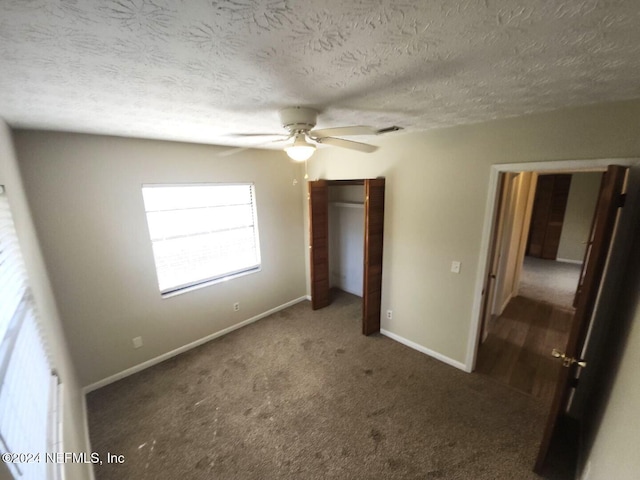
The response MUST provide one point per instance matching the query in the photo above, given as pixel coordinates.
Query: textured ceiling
(196, 70)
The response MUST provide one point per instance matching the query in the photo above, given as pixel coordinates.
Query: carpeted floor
(549, 281)
(303, 395)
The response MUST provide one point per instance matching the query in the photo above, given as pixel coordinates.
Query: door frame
(485, 257)
(497, 262)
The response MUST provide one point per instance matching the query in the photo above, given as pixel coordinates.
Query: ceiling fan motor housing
(297, 119)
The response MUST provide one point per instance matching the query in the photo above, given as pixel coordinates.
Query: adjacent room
(543, 230)
(366, 239)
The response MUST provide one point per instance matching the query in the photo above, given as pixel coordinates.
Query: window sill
(208, 283)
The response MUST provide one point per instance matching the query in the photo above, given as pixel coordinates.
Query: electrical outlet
(389, 314)
(455, 267)
(137, 342)
(236, 306)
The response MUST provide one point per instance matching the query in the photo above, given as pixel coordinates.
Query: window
(28, 388)
(201, 233)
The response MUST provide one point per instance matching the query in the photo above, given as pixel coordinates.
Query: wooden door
(605, 219)
(488, 291)
(587, 250)
(319, 243)
(547, 218)
(373, 243)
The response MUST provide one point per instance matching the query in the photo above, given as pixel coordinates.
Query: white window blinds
(201, 232)
(13, 281)
(27, 385)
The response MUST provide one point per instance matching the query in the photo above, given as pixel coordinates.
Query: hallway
(517, 351)
(549, 281)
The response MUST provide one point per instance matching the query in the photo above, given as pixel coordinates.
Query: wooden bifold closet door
(319, 243)
(373, 245)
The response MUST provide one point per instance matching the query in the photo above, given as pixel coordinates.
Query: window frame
(205, 282)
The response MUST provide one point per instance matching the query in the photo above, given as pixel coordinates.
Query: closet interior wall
(346, 234)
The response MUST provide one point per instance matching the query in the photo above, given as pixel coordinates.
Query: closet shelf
(347, 204)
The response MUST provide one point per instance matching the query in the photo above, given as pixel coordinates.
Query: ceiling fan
(299, 122)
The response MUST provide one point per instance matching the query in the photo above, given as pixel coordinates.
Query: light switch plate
(455, 266)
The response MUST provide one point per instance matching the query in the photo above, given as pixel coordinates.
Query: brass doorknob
(567, 361)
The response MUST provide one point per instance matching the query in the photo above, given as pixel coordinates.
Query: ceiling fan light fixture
(300, 150)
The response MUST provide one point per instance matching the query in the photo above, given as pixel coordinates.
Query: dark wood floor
(517, 350)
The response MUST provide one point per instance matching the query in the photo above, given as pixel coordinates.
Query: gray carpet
(549, 281)
(303, 395)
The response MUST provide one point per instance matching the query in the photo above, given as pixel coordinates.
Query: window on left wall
(29, 389)
(201, 233)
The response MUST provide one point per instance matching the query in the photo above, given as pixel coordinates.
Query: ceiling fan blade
(343, 131)
(339, 142)
(234, 150)
(258, 135)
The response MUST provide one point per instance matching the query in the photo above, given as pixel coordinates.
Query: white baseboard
(566, 260)
(184, 348)
(425, 350)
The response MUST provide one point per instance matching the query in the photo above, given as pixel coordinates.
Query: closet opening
(346, 229)
(346, 234)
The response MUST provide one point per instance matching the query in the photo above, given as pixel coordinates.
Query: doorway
(323, 254)
(346, 234)
(542, 231)
(607, 250)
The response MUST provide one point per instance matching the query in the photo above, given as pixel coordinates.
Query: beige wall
(615, 450)
(437, 187)
(581, 205)
(74, 437)
(85, 195)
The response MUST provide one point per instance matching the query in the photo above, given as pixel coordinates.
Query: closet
(346, 227)
(346, 238)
